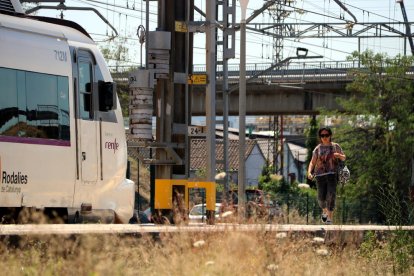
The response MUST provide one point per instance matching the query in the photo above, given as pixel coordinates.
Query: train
(63, 146)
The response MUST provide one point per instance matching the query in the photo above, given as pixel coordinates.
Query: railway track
(80, 229)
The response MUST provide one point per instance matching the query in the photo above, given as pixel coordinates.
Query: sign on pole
(197, 79)
(197, 131)
(181, 27)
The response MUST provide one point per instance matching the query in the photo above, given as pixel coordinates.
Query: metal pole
(211, 89)
(407, 26)
(226, 127)
(152, 185)
(226, 109)
(307, 208)
(242, 113)
(228, 17)
(359, 52)
(146, 32)
(139, 195)
(282, 167)
(288, 207)
(276, 143)
(187, 101)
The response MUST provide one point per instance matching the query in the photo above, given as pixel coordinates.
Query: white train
(62, 138)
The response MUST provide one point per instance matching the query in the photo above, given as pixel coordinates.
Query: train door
(87, 127)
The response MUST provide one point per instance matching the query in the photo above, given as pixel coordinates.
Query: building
(294, 161)
(254, 160)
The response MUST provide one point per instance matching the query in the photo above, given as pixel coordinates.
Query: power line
(118, 6)
(316, 6)
(373, 13)
(112, 10)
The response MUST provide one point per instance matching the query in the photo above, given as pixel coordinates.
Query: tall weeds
(398, 247)
(225, 253)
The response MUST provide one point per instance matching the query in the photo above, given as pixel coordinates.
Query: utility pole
(227, 21)
(171, 95)
(281, 146)
(407, 25)
(275, 143)
(211, 89)
(279, 13)
(242, 113)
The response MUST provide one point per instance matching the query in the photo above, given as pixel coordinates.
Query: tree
(116, 54)
(311, 142)
(379, 138)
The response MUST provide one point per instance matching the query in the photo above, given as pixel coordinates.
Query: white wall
(254, 166)
(290, 165)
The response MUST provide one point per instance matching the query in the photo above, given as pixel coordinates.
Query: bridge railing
(291, 72)
(309, 71)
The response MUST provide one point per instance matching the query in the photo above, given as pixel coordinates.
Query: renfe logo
(112, 145)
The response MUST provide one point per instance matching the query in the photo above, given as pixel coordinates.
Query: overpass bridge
(294, 88)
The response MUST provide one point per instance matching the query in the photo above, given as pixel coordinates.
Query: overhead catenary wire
(112, 10)
(379, 15)
(118, 6)
(344, 29)
(127, 9)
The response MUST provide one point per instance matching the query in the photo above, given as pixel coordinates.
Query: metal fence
(305, 209)
(309, 71)
(292, 71)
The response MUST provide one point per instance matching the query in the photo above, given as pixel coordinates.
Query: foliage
(304, 200)
(286, 194)
(115, 55)
(378, 139)
(123, 95)
(311, 137)
(201, 173)
(311, 143)
(401, 248)
(396, 248)
(264, 178)
(272, 183)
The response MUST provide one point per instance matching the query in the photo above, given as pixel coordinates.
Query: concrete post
(242, 113)
(211, 89)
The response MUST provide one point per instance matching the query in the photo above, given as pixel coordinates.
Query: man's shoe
(324, 217)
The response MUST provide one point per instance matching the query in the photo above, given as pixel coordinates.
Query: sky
(126, 16)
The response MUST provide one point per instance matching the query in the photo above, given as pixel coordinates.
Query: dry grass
(229, 253)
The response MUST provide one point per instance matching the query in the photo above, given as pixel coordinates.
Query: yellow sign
(199, 79)
(181, 27)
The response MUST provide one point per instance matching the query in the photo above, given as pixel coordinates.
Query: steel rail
(81, 229)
